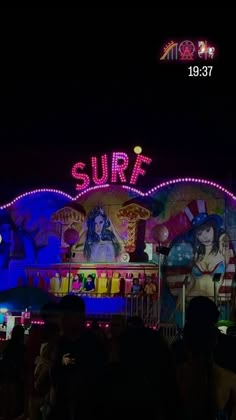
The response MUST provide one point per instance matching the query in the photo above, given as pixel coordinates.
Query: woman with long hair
(210, 258)
(101, 244)
(203, 251)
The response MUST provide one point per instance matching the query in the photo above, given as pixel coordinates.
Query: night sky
(78, 82)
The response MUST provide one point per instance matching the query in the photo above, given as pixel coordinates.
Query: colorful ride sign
(114, 170)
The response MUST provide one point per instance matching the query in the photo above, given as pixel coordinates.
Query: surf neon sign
(101, 174)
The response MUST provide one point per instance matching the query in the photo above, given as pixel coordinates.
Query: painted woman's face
(99, 223)
(206, 235)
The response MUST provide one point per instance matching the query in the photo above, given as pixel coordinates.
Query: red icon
(186, 50)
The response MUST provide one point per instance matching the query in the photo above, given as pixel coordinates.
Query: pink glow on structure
(38, 322)
(160, 186)
(104, 178)
(138, 170)
(118, 168)
(83, 177)
(126, 187)
(193, 181)
(97, 187)
(132, 189)
(42, 190)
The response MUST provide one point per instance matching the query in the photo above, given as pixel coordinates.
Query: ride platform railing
(143, 306)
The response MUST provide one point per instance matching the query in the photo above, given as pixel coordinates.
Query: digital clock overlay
(200, 71)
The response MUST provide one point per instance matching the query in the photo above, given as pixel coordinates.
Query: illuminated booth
(111, 232)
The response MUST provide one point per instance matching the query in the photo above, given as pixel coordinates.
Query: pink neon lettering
(119, 167)
(82, 177)
(104, 177)
(138, 170)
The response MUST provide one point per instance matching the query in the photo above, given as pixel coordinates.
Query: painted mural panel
(199, 240)
(27, 231)
(110, 224)
(196, 222)
(112, 229)
(101, 243)
(202, 252)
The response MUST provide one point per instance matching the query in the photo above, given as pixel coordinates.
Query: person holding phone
(79, 360)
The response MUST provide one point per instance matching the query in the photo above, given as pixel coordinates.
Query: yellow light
(137, 150)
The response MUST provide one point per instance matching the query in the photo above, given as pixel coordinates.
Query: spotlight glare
(3, 310)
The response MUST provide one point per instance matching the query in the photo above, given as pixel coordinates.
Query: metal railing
(170, 332)
(144, 306)
(224, 305)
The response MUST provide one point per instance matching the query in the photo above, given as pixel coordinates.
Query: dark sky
(77, 82)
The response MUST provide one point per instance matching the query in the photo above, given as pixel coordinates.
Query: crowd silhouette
(67, 371)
